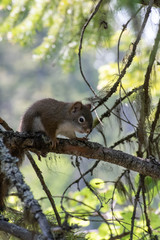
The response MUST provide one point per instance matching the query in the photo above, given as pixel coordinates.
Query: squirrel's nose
(88, 130)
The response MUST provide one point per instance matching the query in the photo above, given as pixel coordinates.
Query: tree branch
(18, 231)
(85, 149)
(8, 166)
(81, 41)
(148, 72)
(5, 125)
(45, 188)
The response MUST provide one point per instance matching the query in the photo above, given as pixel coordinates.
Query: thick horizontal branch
(96, 151)
(90, 150)
(18, 231)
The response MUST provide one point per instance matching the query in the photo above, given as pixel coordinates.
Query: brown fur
(51, 116)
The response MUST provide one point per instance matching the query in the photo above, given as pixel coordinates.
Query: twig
(118, 53)
(148, 72)
(45, 188)
(125, 139)
(81, 41)
(136, 200)
(142, 178)
(5, 125)
(128, 180)
(120, 36)
(112, 200)
(134, 127)
(153, 126)
(120, 236)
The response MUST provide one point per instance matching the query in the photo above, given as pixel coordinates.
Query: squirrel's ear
(88, 106)
(77, 106)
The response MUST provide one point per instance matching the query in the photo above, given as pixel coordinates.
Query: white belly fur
(66, 129)
(37, 125)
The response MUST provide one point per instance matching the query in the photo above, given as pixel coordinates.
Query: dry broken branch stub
(90, 150)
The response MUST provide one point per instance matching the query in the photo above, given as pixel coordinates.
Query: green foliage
(61, 23)
(60, 19)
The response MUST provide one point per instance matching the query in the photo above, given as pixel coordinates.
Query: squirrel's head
(82, 117)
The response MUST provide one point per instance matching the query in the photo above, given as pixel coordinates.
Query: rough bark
(90, 150)
(96, 151)
(18, 231)
(8, 167)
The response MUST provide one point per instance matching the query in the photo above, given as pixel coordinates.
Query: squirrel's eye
(81, 119)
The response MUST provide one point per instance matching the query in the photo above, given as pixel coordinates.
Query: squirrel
(53, 118)
(57, 118)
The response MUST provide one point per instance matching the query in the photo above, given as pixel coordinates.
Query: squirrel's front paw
(55, 142)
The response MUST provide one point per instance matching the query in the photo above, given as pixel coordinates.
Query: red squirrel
(53, 118)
